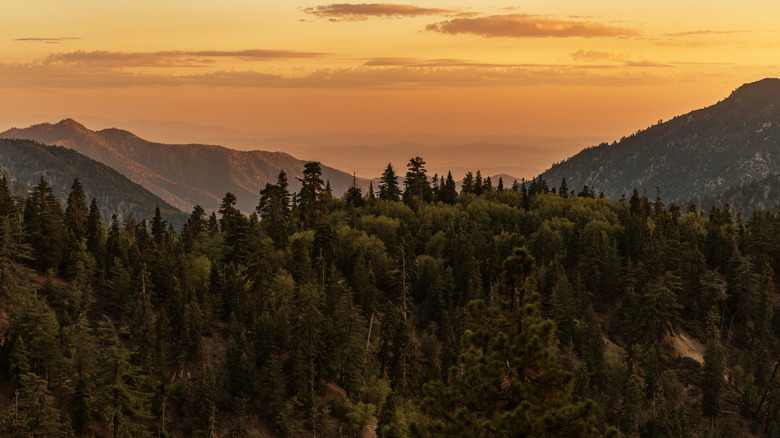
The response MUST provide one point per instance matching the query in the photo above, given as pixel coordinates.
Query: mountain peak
(70, 123)
(759, 89)
(694, 156)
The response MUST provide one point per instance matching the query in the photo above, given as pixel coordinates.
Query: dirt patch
(686, 346)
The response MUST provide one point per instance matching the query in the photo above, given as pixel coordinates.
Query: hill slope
(183, 175)
(25, 161)
(694, 156)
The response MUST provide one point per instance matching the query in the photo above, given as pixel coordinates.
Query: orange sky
(280, 68)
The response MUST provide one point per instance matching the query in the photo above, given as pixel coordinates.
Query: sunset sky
(282, 68)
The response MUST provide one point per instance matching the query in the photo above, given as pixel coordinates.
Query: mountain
(183, 175)
(761, 195)
(698, 155)
(24, 162)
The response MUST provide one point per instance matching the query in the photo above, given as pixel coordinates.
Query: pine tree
(236, 228)
(37, 405)
(563, 191)
(76, 212)
(388, 187)
(194, 227)
(467, 185)
(311, 203)
(95, 232)
(416, 185)
(121, 403)
(159, 227)
(712, 382)
(507, 379)
(353, 196)
(274, 210)
(44, 226)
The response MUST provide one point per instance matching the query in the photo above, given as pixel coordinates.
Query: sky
(280, 69)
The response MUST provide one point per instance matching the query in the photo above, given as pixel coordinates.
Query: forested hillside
(24, 162)
(412, 311)
(693, 156)
(182, 174)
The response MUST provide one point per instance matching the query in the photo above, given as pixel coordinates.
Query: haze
(358, 85)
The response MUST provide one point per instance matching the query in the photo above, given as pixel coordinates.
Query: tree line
(412, 310)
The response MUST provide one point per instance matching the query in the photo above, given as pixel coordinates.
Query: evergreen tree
(236, 228)
(563, 191)
(37, 405)
(712, 382)
(122, 404)
(416, 184)
(311, 204)
(44, 226)
(467, 185)
(194, 227)
(354, 196)
(159, 227)
(76, 212)
(274, 210)
(388, 186)
(95, 231)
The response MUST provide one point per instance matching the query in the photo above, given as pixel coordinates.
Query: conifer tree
(712, 381)
(388, 186)
(416, 185)
(76, 212)
(37, 405)
(354, 196)
(44, 226)
(95, 231)
(563, 191)
(121, 403)
(311, 201)
(159, 227)
(274, 210)
(467, 185)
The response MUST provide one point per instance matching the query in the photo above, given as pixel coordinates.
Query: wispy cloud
(597, 55)
(698, 33)
(364, 11)
(172, 58)
(435, 75)
(608, 55)
(529, 26)
(46, 40)
(445, 62)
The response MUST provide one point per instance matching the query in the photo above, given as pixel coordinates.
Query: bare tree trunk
(403, 275)
(368, 340)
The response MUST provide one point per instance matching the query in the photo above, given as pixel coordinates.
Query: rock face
(698, 155)
(24, 162)
(183, 175)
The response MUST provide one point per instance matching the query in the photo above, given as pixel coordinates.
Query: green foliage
(486, 313)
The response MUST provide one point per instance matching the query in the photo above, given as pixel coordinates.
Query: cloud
(646, 64)
(46, 40)
(364, 11)
(528, 26)
(697, 33)
(597, 55)
(415, 62)
(435, 75)
(172, 58)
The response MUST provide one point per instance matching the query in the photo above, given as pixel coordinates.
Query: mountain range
(700, 155)
(727, 152)
(182, 175)
(24, 162)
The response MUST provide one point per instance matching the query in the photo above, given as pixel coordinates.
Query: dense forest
(412, 310)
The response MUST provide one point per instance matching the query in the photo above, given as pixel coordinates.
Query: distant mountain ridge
(183, 175)
(24, 162)
(698, 155)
